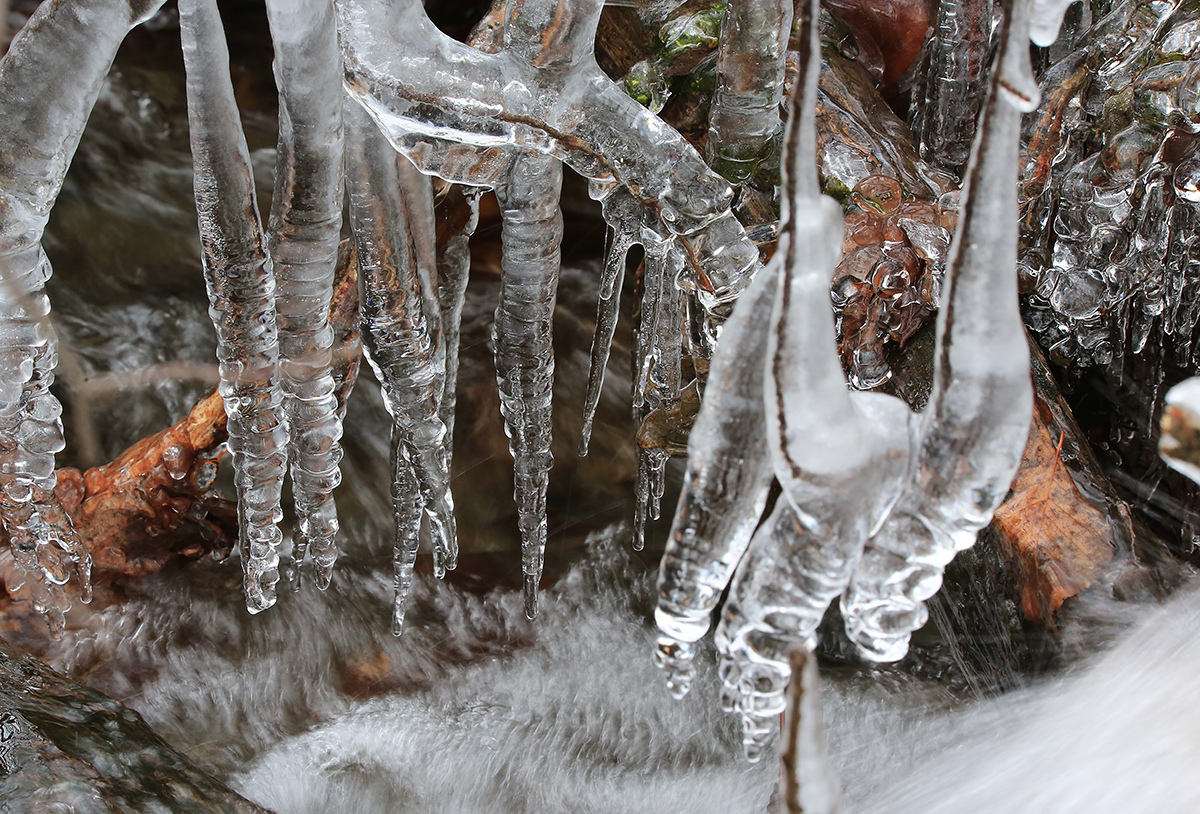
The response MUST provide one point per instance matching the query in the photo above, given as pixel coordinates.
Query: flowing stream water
(315, 707)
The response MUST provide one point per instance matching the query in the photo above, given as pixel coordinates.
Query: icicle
(743, 123)
(304, 229)
(406, 511)
(658, 354)
(391, 212)
(531, 235)
(1045, 20)
(624, 215)
(428, 91)
(454, 270)
(974, 430)
(49, 81)
(725, 488)
(241, 290)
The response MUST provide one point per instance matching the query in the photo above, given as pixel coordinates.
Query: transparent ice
(241, 291)
(48, 95)
(304, 230)
(859, 469)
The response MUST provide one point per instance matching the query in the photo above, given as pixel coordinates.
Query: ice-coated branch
(421, 85)
(391, 212)
(974, 429)
(49, 82)
(743, 123)
(241, 292)
(304, 229)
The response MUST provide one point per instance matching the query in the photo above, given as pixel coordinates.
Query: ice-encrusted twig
(743, 123)
(303, 232)
(49, 82)
(241, 290)
(807, 779)
(974, 429)
(391, 212)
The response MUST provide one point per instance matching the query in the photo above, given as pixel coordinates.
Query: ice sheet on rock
(49, 81)
(391, 214)
(973, 432)
(304, 230)
(241, 289)
(531, 235)
(445, 90)
(743, 122)
(724, 490)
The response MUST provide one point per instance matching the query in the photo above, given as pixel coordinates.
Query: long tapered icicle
(49, 81)
(454, 270)
(531, 236)
(569, 109)
(743, 123)
(807, 782)
(241, 291)
(624, 215)
(974, 430)
(391, 211)
(304, 229)
(725, 489)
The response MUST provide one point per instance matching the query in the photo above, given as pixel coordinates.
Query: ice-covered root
(779, 594)
(725, 488)
(241, 291)
(304, 229)
(808, 784)
(531, 235)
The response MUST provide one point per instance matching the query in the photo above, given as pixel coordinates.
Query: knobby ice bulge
(875, 498)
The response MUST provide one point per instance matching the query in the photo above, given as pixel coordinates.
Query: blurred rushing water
(314, 706)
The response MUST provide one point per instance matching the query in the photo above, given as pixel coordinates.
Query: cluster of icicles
(876, 500)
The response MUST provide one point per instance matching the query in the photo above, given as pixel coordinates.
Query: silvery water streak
(973, 431)
(49, 81)
(523, 337)
(303, 233)
(624, 215)
(418, 83)
(241, 292)
(743, 123)
(724, 490)
(391, 213)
